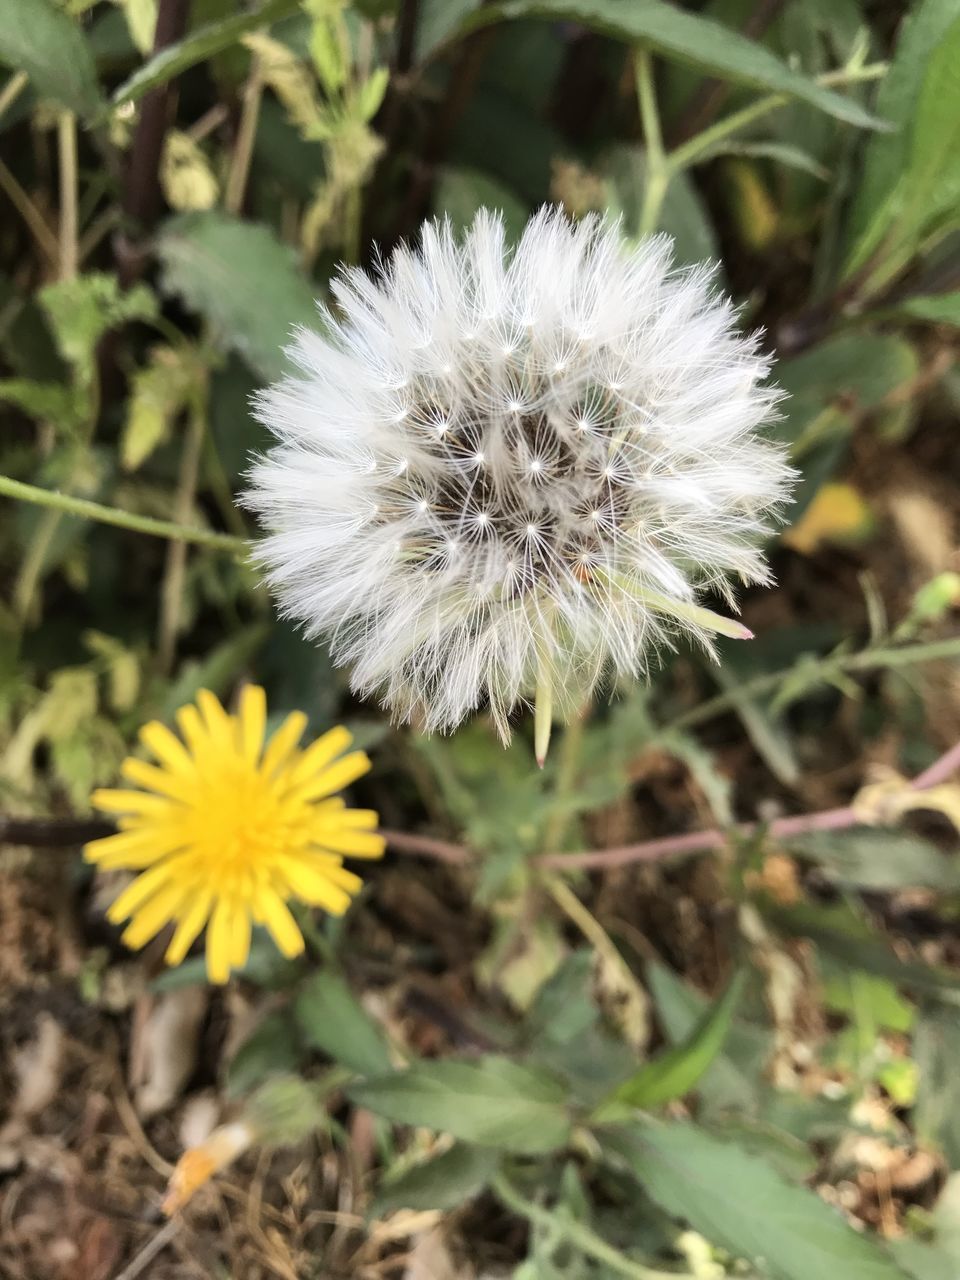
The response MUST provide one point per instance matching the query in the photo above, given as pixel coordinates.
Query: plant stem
(31, 215)
(782, 829)
(699, 147)
(246, 136)
(571, 746)
(87, 510)
(594, 932)
(839, 664)
(12, 90)
(69, 222)
(577, 1233)
(657, 177)
(171, 593)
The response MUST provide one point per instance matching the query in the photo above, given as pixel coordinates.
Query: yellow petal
(219, 936)
(334, 778)
(191, 922)
(151, 918)
(355, 844)
(141, 891)
(153, 779)
(283, 742)
(339, 875)
(360, 819)
(110, 800)
(276, 916)
(166, 746)
(253, 719)
(240, 938)
(192, 728)
(130, 849)
(218, 724)
(314, 887)
(319, 754)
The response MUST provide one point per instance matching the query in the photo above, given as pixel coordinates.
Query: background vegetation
(581, 1024)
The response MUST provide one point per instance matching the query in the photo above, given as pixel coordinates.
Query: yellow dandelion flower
(228, 828)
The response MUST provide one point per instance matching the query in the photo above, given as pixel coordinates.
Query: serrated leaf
(673, 1073)
(39, 38)
(492, 1101)
(445, 1182)
(82, 310)
(46, 401)
(741, 1202)
(332, 1019)
(687, 37)
(198, 46)
(242, 279)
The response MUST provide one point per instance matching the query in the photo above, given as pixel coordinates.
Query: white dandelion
(503, 476)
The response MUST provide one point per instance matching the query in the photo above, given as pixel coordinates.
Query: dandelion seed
(618, 414)
(227, 829)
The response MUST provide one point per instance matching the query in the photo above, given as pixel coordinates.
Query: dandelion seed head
(560, 444)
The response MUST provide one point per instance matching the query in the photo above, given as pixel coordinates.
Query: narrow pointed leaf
(687, 37)
(676, 1071)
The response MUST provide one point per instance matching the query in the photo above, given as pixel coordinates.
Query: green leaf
(46, 401)
(830, 384)
(764, 729)
(198, 46)
(936, 1051)
(942, 308)
(159, 392)
(39, 38)
(332, 1019)
(730, 1080)
(242, 279)
(493, 1102)
(879, 859)
(82, 310)
(687, 37)
(848, 939)
(883, 184)
(741, 1202)
(460, 192)
(272, 1048)
(445, 1182)
(438, 21)
(683, 214)
(216, 671)
(781, 152)
(675, 1072)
